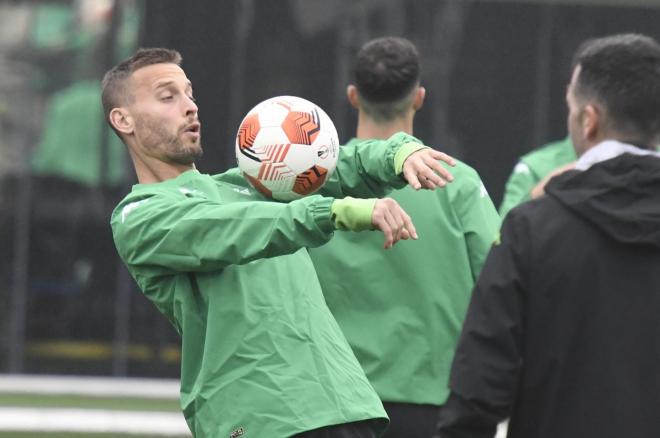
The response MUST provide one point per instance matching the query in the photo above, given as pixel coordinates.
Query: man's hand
(539, 189)
(423, 170)
(389, 217)
(373, 214)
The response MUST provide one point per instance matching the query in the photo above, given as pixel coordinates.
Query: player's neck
(368, 128)
(154, 171)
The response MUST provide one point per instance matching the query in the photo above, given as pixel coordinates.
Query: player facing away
(262, 355)
(533, 171)
(402, 311)
(562, 332)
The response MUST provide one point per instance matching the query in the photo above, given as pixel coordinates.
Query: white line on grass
(94, 421)
(91, 386)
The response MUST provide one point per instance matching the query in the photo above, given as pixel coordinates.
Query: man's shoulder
(552, 154)
(463, 169)
(142, 191)
(466, 180)
(142, 195)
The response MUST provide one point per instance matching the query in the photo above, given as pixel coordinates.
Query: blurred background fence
(495, 73)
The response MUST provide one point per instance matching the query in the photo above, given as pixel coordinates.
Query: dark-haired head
(386, 72)
(619, 76)
(115, 86)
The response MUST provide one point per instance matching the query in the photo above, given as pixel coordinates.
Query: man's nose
(190, 106)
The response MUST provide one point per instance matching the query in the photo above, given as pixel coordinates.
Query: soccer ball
(287, 147)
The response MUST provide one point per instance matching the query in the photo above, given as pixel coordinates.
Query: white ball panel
(268, 136)
(270, 113)
(281, 185)
(300, 157)
(248, 165)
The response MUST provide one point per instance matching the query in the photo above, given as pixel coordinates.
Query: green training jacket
(532, 168)
(262, 355)
(402, 309)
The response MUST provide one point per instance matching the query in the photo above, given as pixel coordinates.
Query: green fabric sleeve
(402, 155)
(194, 234)
(366, 169)
(353, 214)
(532, 168)
(518, 187)
(479, 219)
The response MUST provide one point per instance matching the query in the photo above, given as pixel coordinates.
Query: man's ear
(121, 120)
(353, 97)
(418, 101)
(592, 122)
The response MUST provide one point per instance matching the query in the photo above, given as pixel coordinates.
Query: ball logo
(323, 152)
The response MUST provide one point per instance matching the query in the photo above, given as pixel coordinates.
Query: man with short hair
(401, 311)
(562, 333)
(262, 355)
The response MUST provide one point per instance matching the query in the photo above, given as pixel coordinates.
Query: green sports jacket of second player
(402, 309)
(262, 356)
(532, 168)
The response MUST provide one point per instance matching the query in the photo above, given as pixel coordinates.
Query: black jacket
(563, 331)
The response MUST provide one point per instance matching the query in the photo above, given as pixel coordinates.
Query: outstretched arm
(187, 234)
(371, 168)
(195, 234)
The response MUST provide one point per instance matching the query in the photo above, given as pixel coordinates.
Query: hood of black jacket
(620, 196)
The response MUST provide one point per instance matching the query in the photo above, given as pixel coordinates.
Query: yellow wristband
(353, 214)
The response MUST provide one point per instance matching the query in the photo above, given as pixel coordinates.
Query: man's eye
(192, 98)
(166, 98)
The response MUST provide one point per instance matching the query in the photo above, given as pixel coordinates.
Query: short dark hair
(114, 87)
(386, 70)
(622, 73)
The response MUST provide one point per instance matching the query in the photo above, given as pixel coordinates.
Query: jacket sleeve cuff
(321, 212)
(353, 214)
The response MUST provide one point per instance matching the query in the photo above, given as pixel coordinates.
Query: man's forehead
(156, 75)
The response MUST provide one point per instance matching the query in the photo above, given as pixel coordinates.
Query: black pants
(358, 429)
(409, 420)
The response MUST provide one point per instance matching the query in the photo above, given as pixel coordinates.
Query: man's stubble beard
(158, 138)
